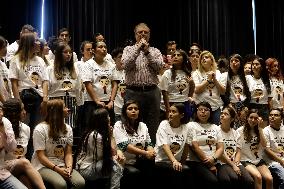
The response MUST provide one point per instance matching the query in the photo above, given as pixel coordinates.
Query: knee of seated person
(23, 163)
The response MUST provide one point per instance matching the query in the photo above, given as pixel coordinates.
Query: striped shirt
(141, 69)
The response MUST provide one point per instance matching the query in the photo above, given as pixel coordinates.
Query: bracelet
(53, 167)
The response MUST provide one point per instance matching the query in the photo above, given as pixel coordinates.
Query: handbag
(30, 98)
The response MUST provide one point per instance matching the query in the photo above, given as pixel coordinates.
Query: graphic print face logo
(174, 147)
(104, 82)
(59, 151)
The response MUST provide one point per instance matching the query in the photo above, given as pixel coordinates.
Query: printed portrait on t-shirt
(210, 88)
(279, 92)
(175, 147)
(258, 93)
(181, 85)
(121, 89)
(230, 152)
(280, 149)
(19, 151)
(140, 146)
(254, 149)
(59, 151)
(67, 85)
(6, 83)
(104, 82)
(35, 79)
(238, 91)
(210, 141)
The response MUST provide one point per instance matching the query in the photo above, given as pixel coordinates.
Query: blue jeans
(278, 171)
(12, 183)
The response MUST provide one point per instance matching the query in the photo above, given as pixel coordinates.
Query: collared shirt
(141, 69)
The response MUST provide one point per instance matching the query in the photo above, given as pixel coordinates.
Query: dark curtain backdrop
(270, 29)
(15, 14)
(221, 26)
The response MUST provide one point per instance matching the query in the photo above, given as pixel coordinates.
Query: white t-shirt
(119, 76)
(6, 87)
(174, 137)
(138, 139)
(206, 135)
(258, 90)
(90, 156)
(178, 89)
(230, 143)
(58, 88)
(237, 90)
(82, 92)
(11, 50)
(211, 93)
(54, 150)
(31, 76)
(22, 143)
(251, 151)
(275, 141)
(100, 76)
(277, 90)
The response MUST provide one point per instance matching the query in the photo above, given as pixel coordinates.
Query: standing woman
(43, 51)
(98, 157)
(207, 146)
(53, 140)
(230, 173)
(177, 84)
(132, 137)
(237, 92)
(260, 89)
(29, 78)
(64, 82)
(18, 165)
(209, 84)
(98, 80)
(251, 143)
(5, 84)
(276, 82)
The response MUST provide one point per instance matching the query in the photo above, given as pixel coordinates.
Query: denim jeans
(278, 171)
(12, 183)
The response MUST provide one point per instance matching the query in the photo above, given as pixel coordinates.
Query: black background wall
(221, 26)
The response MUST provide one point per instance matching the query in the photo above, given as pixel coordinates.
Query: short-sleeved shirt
(277, 90)
(257, 89)
(22, 143)
(251, 151)
(119, 77)
(54, 149)
(237, 90)
(31, 76)
(174, 137)
(275, 141)
(178, 89)
(138, 139)
(206, 135)
(100, 76)
(211, 93)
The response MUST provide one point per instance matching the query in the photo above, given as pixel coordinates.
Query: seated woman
(206, 143)
(251, 143)
(231, 174)
(170, 142)
(19, 166)
(95, 160)
(132, 137)
(53, 140)
(7, 144)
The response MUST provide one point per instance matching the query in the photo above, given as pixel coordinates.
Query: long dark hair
(12, 111)
(186, 66)
(264, 74)
(99, 124)
(247, 128)
(242, 77)
(129, 127)
(232, 113)
(181, 109)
